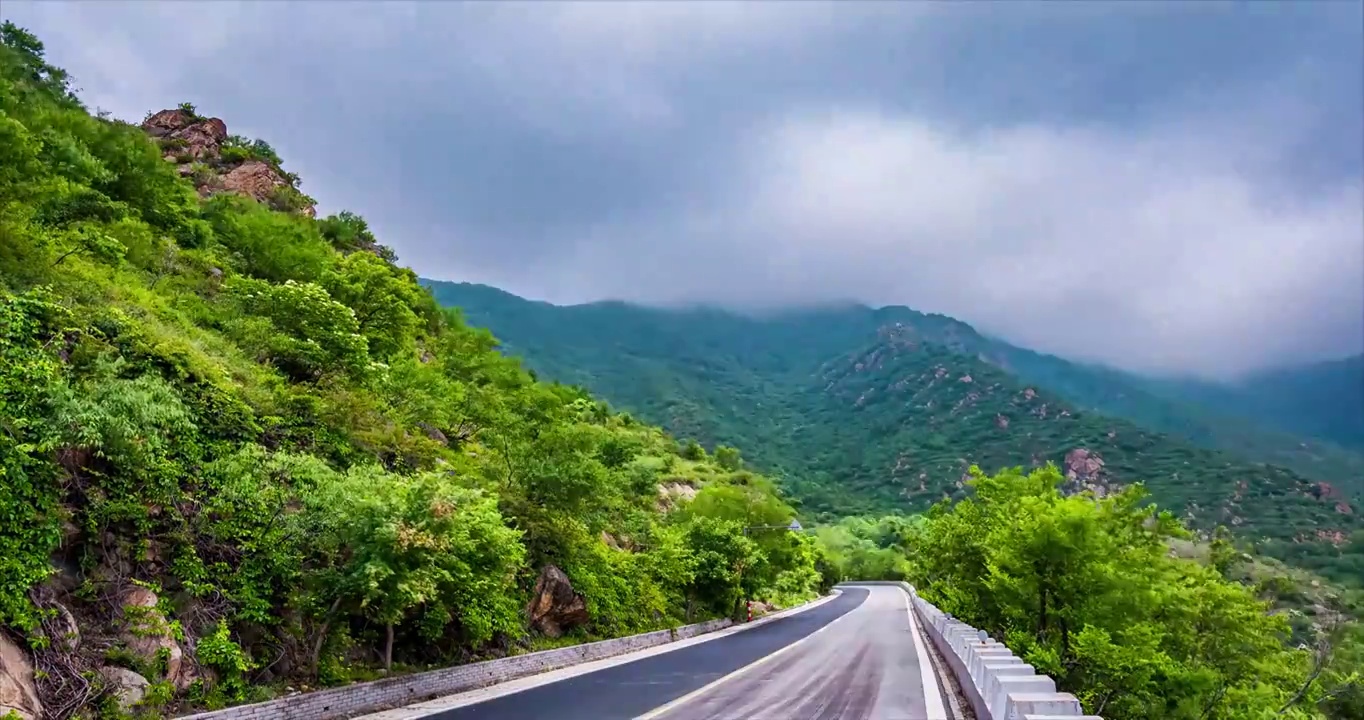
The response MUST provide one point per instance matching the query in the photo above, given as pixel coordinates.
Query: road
(854, 658)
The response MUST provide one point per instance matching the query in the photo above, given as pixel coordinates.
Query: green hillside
(629, 345)
(241, 450)
(1321, 400)
(849, 410)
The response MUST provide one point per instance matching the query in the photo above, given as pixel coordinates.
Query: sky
(1162, 187)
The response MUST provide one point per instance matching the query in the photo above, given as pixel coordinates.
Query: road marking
(933, 704)
(661, 709)
(510, 687)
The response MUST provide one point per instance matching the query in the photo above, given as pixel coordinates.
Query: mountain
(866, 410)
(1322, 400)
(567, 343)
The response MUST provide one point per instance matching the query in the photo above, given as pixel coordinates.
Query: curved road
(853, 658)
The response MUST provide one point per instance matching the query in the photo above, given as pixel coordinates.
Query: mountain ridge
(1160, 404)
(796, 390)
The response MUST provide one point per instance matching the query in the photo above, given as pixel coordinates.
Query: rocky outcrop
(1085, 471)
(127, 687)
(672, 494)
(253, 178)
(555, 607)
(195, 144)
(147, 635)
(184, 135)
(18, 694)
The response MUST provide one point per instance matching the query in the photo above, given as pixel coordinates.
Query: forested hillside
(1324, 400)
(630, 345)
(241, 449)
(861, 410)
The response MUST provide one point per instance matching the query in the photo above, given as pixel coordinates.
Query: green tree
(382, 298)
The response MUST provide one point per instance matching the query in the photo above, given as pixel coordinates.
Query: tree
(421, 544)
(728, 458)
(382, 298)
(1085, 590)
(299, 328)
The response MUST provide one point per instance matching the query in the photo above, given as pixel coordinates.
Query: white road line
(661, 709)
(511, 687)
(933, 704)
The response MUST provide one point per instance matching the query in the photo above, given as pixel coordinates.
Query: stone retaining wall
(997, 684)
(361, 698)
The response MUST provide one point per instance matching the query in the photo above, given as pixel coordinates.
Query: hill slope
(242, 450)
(1323, 400)
(847, 405)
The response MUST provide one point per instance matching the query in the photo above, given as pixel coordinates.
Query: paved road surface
(863, 667)
(858, 663)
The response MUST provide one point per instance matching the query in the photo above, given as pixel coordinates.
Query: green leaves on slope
(1086, 590)
(261, 418)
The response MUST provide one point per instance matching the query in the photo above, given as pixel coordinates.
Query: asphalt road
(863, 667)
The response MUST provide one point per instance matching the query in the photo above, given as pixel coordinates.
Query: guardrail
(997, 684)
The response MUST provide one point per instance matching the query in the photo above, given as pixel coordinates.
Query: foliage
(262, 417)
(1085, 590)
(872, 411)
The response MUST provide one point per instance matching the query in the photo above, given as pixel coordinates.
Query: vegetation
(1324, 399)
(1086, 590)
(860, 412)
(1297, 419)
(307, 467)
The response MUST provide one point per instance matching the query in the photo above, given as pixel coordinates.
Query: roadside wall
(361, 698)
(997, 684)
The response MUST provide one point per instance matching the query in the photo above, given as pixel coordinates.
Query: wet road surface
(854, 657)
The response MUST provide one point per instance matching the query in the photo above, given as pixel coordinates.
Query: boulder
(18, 694)
(555, 606)
(166, 122)
(200, 138)
(127, 687)
(1085, 470)
(433, 432)
(146, 634)
(255, 179)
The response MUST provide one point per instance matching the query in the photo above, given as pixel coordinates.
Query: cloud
(1162, 187)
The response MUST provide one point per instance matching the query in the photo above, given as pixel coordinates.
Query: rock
(255, 179)
(555, 606)
(1085, 471)
(433, 432)
(609, 540)
(127, 687)
(184, 134)
(146, 634)
(166, 122)
(203, 139)
(18, 694)
(671, 494)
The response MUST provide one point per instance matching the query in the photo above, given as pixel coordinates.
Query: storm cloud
(1164, 187)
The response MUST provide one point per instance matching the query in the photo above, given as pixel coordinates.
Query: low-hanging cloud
(1163, 188)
